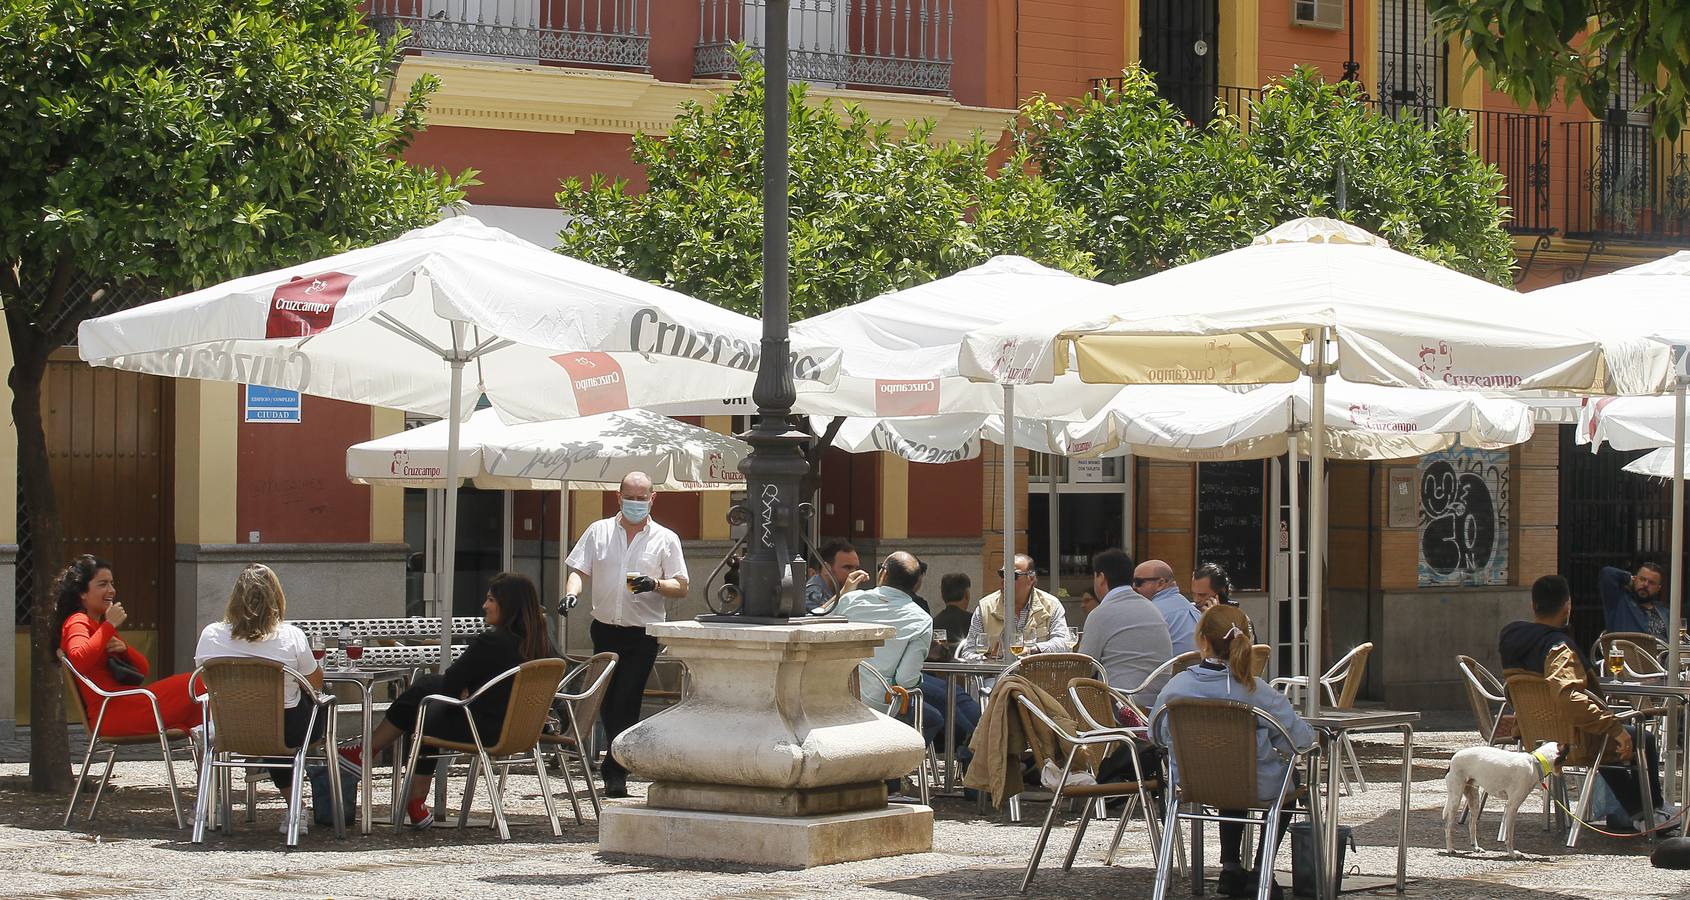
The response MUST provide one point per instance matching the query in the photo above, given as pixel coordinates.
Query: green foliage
(1159, 192)
(181, 142)
(1536, 49)
(871, 211)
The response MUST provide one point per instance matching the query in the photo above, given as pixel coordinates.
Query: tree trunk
(49, 745)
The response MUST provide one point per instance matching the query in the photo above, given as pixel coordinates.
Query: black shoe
(615, 788)
(1235, 883)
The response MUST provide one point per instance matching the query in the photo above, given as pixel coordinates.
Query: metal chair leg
(170, 770)
(1050, 818)
(296, 798)
(493, 795)
(203, 798)
(546, 792)
(569, 784)
(87, 763)
(1164, 858)
(1121, 828)
(100, 789)
(469, 789)
(1086, 810)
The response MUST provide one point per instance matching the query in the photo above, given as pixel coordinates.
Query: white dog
(1501, 773)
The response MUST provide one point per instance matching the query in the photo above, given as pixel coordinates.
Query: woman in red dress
(90, 615)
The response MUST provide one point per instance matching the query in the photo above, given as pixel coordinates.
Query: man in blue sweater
(1634, 603)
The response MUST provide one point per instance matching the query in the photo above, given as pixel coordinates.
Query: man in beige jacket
(1039, 618)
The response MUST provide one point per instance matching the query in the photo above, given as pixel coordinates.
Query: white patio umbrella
(1649, 301)
(543, 336)
(1312, 297)
(589, 453)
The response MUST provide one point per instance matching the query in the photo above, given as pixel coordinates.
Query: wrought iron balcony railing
(877, 44)
(1624, 183)
(1516, 143)
(610, 33)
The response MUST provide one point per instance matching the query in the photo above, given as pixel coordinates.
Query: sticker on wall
(1464, 500)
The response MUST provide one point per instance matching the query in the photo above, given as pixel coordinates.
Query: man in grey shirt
(1125, 633)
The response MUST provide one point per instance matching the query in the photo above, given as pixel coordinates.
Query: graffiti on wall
(1464, 503)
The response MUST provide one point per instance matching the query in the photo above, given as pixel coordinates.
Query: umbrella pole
(1295, 486)
(1317, 519)
(449, 550)
(1055, 468)
(1675, 603)
(1007, 598)
(559, 614)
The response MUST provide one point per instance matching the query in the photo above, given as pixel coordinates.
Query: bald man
(899, 659)
(634, 566)
(1154, 581)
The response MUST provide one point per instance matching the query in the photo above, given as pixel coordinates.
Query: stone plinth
(771, 759)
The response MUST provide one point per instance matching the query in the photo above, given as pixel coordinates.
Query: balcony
(1517, 144)
(1623, 183)
(593, 33)
(897, 45)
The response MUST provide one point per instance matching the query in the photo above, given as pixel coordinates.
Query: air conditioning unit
(1318, 13)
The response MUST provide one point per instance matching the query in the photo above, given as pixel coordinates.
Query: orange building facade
(536, 91)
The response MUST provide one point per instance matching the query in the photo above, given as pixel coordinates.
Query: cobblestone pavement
(132, 851)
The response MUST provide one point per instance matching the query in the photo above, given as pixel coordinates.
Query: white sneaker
(304, 826)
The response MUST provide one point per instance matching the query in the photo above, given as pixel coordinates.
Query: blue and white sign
(268, 404)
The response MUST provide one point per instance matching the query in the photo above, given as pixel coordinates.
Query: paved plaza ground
(132, 851)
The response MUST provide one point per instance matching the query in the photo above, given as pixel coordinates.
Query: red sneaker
(352, 761)
(419, 813)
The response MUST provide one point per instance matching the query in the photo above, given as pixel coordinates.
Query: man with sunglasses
(1154, 581)
(1040, 619)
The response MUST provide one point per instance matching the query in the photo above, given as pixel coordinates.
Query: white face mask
(635, 511)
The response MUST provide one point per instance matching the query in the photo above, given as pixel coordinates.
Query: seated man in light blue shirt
(899, 659)
(1154, 581)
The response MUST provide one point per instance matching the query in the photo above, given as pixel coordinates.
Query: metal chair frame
(1094, 735)
(1060, 692)
(579, 749)
(1348, 672)
(1172, 667)
(167, 744)
(481, 760)
(215, 766)
(896, 699)
(1268, 821)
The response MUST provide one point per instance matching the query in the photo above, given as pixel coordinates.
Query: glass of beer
(1616, 660)
(630, 579)
(1018, 648)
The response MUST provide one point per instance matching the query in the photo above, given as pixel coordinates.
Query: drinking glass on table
(354, 652)
(1616, 660)
(319, 649)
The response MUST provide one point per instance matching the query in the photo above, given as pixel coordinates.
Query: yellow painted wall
(205, 447)
(387, 504)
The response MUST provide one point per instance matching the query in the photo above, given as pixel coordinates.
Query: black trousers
(635, 653)
(295, 719)
(1622, 777)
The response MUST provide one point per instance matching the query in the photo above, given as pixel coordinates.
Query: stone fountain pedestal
(771, 760)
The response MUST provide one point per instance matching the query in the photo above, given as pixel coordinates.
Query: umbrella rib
(410, 334)
(1275, 349)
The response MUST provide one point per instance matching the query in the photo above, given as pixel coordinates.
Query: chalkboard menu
(1231, 506)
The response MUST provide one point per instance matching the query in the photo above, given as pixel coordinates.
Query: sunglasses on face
(1026, 574)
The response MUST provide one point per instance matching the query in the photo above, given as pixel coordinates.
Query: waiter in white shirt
(634, 565)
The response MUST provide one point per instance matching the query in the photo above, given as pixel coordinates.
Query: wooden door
(107, 445)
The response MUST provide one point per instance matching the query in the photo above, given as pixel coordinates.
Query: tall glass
(354, 652)
(1616, 661)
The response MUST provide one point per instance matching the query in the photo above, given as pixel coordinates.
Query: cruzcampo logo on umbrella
(305, 306)
(597, 381)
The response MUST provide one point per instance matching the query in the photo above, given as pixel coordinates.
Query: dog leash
(1670, 823)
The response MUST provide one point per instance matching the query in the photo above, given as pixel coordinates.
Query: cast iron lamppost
(771, 578)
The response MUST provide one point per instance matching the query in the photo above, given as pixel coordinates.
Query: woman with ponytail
(89, 616)
(1223, 639)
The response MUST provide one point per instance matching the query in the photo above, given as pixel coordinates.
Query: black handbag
(122, 671)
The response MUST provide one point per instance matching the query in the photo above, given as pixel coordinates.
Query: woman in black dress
(518, 635)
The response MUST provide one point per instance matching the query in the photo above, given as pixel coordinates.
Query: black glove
(643, 584)
(567, 603)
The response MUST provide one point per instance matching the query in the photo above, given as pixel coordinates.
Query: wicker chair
(169, 740)
(1259, 654)
(1340, 684)
(1214, 742)
(245, 702)
(593, 679)
(1168, 669)
(893, 700)
(533, 685)
(1542, 717)
(1096, 703)
(1102, 739)
(1052, 673)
